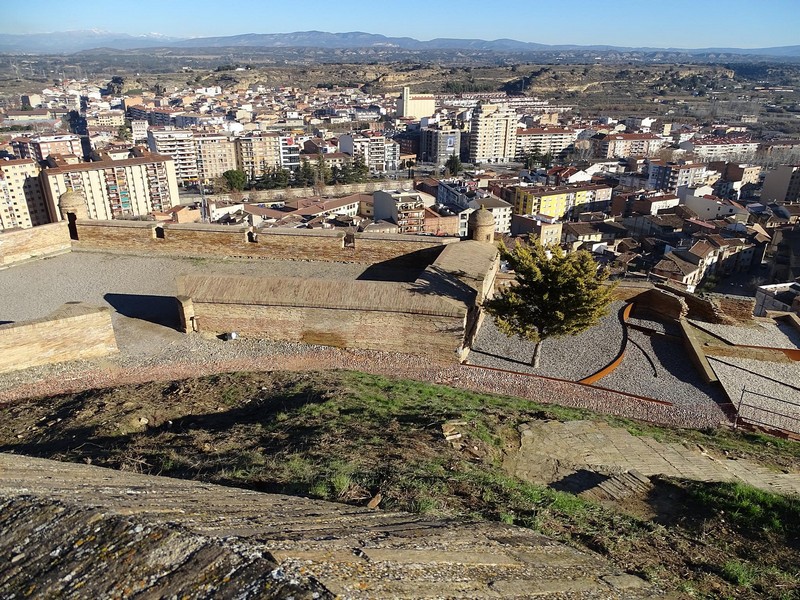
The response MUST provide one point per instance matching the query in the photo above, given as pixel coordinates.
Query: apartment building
(258, 153)
(415, 106)
(290, 152)
(621, 145)
(668, 177)
(782, 185)
(22, 203)
(110, 118)
(438, 145)
(179, 144)
(560, 201)
(114, 188)
(493, 134)
(549, 140)
(728, 149)
(41, 146)
(378, 153)
(216, 153)
(405, 209)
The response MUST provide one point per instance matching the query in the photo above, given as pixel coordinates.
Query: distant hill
(75, 41)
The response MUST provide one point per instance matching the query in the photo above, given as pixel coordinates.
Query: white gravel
(768, 385)
(770, 335)
(671, 376)
(569, 357)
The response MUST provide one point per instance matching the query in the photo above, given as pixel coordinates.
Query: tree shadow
(161, 310)
(437, 282)
(503, 358)
(579, 481)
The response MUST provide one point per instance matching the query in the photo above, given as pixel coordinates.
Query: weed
(739, 573)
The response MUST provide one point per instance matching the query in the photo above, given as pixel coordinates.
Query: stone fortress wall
(73, 332)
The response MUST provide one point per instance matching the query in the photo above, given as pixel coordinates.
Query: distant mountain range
(75, 41)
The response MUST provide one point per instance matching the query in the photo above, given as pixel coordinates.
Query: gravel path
(667, 375)
(771, 335)
(770, 384)
(570, 357)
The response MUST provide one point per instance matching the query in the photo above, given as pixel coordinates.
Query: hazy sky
(672, 23)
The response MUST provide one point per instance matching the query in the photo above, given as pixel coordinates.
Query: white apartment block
(22, 203)
(115, 188)
(493, 134)
(720, 149)
(179, 144)
(622, 145)
(379, 154)
(552, 141)
(671, 176)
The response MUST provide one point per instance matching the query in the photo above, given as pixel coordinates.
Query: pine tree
(555, 294)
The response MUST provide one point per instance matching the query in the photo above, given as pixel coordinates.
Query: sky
(658, 23)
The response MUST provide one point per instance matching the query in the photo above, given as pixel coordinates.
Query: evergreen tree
(555, 294)
(453, 165)
(236, 179)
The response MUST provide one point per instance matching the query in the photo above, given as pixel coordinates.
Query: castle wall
(436, 337)
(43, 240)
(74, 332)
(220, 241)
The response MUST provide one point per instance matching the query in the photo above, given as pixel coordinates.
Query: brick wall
(73, 332)
(661, 303)
(193, 239)
(43, 240)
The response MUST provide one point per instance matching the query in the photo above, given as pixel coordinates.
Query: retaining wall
(35, 242)
(73, 332)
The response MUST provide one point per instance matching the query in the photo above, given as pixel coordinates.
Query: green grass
(749, 508)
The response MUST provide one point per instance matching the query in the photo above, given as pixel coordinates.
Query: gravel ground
(776, 380)
(570, 357)
(771, 335)
(153, 352)
(670, 376)
(35, 289)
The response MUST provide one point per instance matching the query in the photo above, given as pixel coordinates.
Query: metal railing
(786, 418)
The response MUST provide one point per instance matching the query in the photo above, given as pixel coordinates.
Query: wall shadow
(161, 310)
(402, 268)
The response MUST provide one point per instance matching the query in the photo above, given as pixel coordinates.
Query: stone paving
(551, 451)
(79, 531)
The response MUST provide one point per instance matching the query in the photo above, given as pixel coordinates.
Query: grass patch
(747, 507)
(347, 436)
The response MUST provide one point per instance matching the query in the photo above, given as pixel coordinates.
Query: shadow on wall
(402, 268)
(6, 322)
(161, 310)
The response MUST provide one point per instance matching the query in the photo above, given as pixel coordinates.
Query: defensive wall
(24, 244)
(226, 241)
(73, 332)
(434, 316)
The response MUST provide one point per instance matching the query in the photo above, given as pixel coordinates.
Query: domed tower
(73, 203)
(481, 225)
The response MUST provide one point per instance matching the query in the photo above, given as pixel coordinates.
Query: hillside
(363, 439)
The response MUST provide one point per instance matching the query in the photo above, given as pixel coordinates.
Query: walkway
(551, 451)
(81, 531)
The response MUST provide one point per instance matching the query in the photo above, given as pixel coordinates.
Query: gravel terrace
(570, 357)
(150, 351)
(769, 335)
(772, 381)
